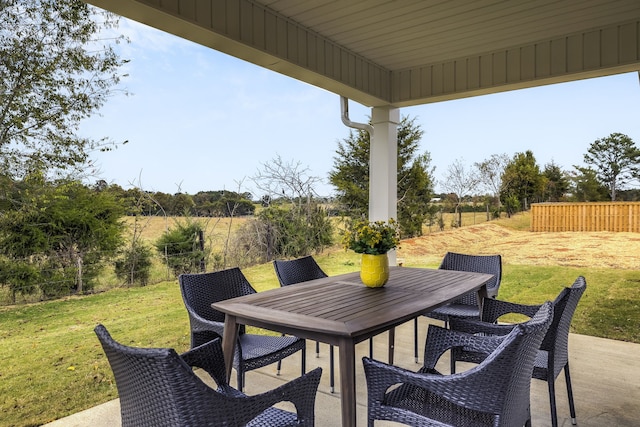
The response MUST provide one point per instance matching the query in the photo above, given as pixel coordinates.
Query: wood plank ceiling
(408, 52)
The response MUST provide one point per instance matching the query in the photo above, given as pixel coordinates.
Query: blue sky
(197, 119)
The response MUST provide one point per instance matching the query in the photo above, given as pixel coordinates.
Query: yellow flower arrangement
(373, 238)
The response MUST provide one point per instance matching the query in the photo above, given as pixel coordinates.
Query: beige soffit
(409, 52)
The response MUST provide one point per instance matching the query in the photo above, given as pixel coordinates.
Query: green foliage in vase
(373, 238)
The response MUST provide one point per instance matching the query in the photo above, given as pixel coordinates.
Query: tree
(490, 173)
(556, 183)
(134, 201)
(62, 230)
(222, 203)
(616, 161)
(587, 187)
(134, 262)
(460, 182)
(414, 193)
(350, 177)
(54, 72)
(293, 222)
(181, 204)
(285, 232)
(286, 179)
(521, 181)
(163, 203)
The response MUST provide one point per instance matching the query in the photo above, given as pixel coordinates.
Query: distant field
(152, 227)
(511, 238)
(217, 229)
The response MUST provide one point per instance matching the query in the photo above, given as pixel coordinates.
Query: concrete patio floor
(605, 377)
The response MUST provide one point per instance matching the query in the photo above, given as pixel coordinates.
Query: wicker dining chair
(252, 351)
(467, 305)
(290, 272)
(553, 355)
(157, 387)
(494, 393)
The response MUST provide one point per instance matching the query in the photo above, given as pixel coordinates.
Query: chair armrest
(210, 358)
(199, 323)
(440, 340)
(475, 326)
(381, 376)
(300, 391)
(492, 309)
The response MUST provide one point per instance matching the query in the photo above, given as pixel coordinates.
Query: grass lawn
(52, 365)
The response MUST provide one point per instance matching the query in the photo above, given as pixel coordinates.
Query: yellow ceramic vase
(374, 270)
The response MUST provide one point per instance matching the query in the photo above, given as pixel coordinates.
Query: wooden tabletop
(341, 306)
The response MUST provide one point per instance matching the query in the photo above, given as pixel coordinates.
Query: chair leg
(415, 339)
(303, 363)
(452, 361)
(317, 349)
(572, 408)
(552, 399)
(371, 348)
(331, 370)
(240, 379)
(279, 364)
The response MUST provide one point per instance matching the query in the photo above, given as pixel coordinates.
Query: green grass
(51, 364)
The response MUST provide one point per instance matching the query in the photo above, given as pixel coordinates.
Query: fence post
(201, 245)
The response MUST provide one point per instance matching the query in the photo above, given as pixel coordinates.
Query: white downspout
(344, 109)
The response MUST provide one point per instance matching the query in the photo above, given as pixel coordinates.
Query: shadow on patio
(605, 376)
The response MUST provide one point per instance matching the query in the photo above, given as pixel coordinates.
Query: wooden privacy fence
(602, 216)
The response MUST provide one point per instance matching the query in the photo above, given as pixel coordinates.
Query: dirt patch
(576, 249)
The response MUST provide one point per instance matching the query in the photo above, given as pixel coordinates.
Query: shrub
(181, 247)
(134, 265)
(280, 232)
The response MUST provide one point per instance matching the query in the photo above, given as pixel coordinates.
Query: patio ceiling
(400, 53)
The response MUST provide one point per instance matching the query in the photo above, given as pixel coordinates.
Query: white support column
(383, 167)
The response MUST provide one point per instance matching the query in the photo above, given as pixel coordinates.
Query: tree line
(612, 173)
(219, 203)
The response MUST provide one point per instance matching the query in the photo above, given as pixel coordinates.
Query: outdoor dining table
(341, 311)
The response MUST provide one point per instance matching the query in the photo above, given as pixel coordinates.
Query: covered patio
(605, 378)
(390, 54)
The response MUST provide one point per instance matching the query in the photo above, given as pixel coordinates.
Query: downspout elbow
(344, 108)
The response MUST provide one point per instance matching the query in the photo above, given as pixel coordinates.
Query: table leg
(482, 294)
(230, 335)
(392, 343)
(348, 382)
